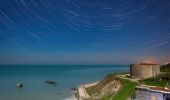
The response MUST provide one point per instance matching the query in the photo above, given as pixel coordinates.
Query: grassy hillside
(127, 88)
(96, 89)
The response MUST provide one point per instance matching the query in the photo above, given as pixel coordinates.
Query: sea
(33, 78)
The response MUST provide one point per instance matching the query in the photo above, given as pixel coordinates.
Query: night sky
(84, 31)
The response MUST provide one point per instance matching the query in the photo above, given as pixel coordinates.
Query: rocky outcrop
(19, 85)
(51, 82)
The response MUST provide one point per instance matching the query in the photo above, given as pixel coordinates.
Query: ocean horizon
(33, 77)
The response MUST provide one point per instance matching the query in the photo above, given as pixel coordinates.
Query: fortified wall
(143, 70)
(145, 93)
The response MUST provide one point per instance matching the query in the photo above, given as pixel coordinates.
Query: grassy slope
(126, 90)
(128, 87)
(106, 80)
(153, 83)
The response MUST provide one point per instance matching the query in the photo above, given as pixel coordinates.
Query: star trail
(84, 31)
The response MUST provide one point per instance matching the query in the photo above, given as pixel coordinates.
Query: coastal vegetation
(160, 80)
(96, 88)
(125, 88)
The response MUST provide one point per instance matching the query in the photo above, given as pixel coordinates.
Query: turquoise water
(33, 77)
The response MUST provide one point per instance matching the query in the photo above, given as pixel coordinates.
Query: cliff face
(109, 85)
(109, 88)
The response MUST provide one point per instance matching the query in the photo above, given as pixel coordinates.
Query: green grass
(126, 90)
(127, 87)
(153, 83)
(160, 80)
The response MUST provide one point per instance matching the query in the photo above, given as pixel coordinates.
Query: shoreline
(59, 73)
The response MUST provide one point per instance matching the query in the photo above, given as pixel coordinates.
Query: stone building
(144, 70)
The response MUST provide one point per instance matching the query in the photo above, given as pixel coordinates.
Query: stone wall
(144, 94)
